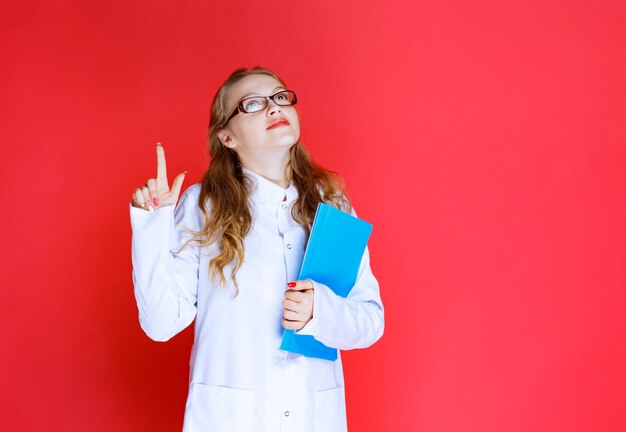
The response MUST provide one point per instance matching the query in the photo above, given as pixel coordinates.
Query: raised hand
(156, 192)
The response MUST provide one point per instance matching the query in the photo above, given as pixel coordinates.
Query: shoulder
(193, 191)
(189, 197)
(187, 209)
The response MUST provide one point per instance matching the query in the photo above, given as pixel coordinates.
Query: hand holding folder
(332, 257)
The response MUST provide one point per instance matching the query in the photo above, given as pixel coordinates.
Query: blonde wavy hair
(225, 185)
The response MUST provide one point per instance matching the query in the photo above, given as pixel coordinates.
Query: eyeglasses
(257, 103)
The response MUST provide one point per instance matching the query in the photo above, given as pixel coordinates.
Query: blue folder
(333, 256)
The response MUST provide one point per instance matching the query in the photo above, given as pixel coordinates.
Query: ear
(225, 138)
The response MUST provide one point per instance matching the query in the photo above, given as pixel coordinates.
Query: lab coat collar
(269, 190)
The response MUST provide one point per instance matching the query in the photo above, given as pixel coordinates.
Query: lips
(278, 122)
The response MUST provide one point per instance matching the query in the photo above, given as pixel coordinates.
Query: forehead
(259, 84)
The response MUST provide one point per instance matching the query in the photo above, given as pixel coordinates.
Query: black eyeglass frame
(240, 107)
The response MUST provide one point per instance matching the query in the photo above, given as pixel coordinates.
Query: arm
(165, 284)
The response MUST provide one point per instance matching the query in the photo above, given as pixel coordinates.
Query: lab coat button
(286, 413)
(284, 206)
(288, 246)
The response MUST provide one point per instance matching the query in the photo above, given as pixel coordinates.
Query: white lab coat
(240, 381)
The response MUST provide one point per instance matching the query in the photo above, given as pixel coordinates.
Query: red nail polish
(155, 201)
(291, 284)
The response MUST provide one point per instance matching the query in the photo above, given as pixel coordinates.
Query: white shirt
(240, 381)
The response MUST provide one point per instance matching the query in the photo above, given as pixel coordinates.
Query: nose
(272, 107)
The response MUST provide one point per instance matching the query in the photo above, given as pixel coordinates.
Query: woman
(228, 255)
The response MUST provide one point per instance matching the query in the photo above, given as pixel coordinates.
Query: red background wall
(485, 140)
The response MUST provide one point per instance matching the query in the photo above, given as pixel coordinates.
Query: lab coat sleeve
(165, 282)
(355, 321)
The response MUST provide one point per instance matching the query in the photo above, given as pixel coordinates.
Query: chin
(284, 141)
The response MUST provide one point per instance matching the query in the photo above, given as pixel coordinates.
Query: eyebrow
(250, 94)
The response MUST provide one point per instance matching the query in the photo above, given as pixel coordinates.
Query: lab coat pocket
(219, 409)
(330, 412)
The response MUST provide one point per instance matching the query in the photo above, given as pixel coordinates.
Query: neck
(271, 166)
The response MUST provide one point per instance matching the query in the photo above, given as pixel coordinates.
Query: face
(247, 133)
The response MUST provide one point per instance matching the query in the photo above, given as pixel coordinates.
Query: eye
(282, 96)
(253, 105)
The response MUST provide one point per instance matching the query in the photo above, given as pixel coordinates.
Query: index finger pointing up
(161, 169)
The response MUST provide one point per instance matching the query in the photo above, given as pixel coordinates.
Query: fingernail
(185, 172)
(151, 209)
(143, 204)
(158, 143)
(291, 284)
(155, 201)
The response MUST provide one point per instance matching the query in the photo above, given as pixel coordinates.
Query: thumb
(178, 184)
